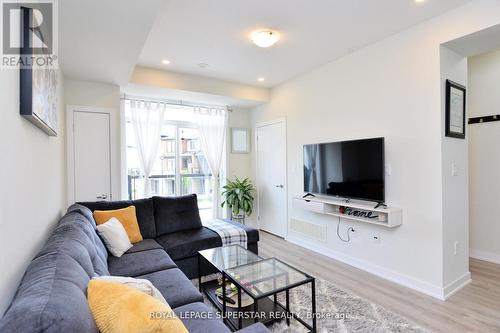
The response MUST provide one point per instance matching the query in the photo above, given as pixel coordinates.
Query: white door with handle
(89, 154)
(271, 177)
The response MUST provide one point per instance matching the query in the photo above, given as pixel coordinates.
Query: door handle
(280, 186)
(102, 196)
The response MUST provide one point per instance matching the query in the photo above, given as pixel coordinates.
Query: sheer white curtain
(212, 125)
(147, 120)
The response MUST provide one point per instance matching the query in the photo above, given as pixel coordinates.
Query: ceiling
(215, 32)
(100, 40)
(480, 42)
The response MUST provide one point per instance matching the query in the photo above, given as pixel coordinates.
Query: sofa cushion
(51, 298)
(187, 243)
(174, 286)
(87, 213)
(52, 294)
(90, 231)
(143, 285)
(118, 308)
(139, 263)
(173, 214)
(145, 245)
(75, 236)
(126, 216)
(205, 322)
(144, 210)
(114, 236)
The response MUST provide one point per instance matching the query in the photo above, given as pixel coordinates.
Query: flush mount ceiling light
(419, 1)
(261, 79)
(264, 37)
(165, 61)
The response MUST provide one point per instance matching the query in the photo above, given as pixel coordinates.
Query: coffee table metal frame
(227, 277)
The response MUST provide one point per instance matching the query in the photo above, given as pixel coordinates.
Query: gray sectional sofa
(174, 225)
(52, 294)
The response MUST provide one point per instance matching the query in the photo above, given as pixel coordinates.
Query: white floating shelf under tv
(389, 217)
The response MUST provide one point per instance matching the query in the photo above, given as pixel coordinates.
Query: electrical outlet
(454, 169)
(376, 238)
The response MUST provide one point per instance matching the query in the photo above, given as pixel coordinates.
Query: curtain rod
(173, 102)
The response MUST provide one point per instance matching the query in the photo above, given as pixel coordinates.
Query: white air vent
(311, 230)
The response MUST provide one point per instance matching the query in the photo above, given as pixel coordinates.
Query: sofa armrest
(252, 233)
(255, 328)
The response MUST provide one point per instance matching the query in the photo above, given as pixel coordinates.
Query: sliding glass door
(180, 167)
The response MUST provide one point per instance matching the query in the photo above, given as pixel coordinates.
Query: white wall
(239, 165)
(101, 95)
(33, 178)
(158, 78)
(455, 187)
(92, 94)
(390, 89)
(484, 159)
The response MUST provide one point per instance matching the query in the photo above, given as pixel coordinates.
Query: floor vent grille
(311, 230)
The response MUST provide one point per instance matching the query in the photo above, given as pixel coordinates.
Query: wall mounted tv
(347, 169)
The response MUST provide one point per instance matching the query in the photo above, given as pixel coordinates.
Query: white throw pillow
(142, 285)
(115, 237)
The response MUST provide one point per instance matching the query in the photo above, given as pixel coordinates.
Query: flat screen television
(347, 169)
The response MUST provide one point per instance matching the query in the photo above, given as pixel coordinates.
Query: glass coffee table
(258, 281)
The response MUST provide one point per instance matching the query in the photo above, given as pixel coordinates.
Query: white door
(271, 177)
(90, 167)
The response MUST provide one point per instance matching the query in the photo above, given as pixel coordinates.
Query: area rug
(339, 311)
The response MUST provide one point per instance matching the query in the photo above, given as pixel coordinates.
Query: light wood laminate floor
(475, 308)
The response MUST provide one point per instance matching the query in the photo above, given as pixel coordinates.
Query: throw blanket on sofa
(229, 233)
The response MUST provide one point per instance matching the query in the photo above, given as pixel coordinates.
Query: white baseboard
(486, 256)
(401, 279)
(456, 285)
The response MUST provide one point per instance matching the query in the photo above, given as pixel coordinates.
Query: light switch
(388, 170)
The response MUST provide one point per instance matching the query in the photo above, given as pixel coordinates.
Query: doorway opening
(480, 69)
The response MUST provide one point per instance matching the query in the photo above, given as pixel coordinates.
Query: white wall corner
(456, 285)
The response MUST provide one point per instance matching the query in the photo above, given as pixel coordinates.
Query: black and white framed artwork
(455, 110)
(38, 95)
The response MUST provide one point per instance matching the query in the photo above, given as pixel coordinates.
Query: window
(193, 145)
(181, 167)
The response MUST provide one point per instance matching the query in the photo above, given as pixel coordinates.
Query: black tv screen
(348, 169)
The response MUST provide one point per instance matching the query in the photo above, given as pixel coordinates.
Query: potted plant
(238, 196)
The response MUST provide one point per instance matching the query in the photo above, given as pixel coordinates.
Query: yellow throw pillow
(118, 308)
(127, 218)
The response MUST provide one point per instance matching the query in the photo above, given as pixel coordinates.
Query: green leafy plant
(238, 196)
